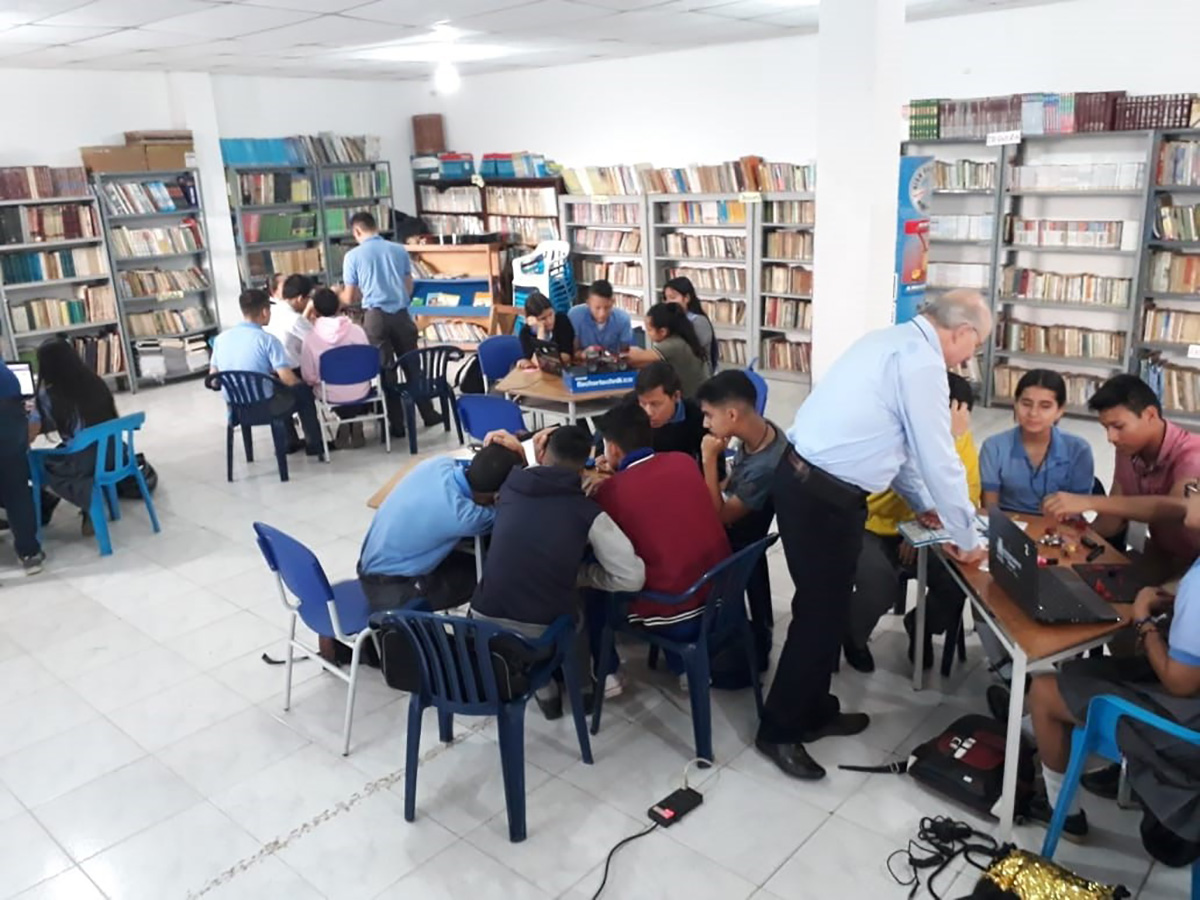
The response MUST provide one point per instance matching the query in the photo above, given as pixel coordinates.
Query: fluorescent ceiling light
(434, 51)
(446, 79)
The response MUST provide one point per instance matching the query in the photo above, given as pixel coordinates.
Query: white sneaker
(614, 686)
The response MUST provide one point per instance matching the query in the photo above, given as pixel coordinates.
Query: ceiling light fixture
(446, 79)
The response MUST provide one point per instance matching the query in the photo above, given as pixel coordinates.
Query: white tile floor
(144, 752)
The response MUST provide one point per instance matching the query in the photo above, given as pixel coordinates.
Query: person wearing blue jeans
(16, 495)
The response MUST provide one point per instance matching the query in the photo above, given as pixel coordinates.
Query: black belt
(828, 487)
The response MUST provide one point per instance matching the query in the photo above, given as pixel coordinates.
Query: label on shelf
(750, 197)
(1001, 138)
(171, 295)
(477, 179)
(1193, 351)
(600, 199)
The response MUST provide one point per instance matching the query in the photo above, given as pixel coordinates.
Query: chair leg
(696, 663)
(412, 756)
(248, 443)
(229, 453)
(355, 659)
(1196, 880)
(1066, 798)
(279, 439)
(570, 671)
(112, 501)
(144, 488)
(445, 727)
(950, 642)
(287, 671)
(457, 422)
(607, 655)
(512, 766)
(100, 522)
(410, 420)
(752, 661)
(652, 657)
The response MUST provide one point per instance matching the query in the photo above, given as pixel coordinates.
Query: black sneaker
(1039, 812)
(1103, 782)
(33, 564)
(860, 658)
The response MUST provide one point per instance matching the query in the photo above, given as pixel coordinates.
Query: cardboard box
(167, 157)
(113, 158)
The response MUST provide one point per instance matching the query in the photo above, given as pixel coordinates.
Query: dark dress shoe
(792, 759)
(551, 709)
(437, 419)
(1103, 782)
(860, 658)
(841, 725)
(910, 626)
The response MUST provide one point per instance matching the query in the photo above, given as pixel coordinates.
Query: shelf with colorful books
(159, 252)
(608, 235)
(783, 248)
(343, 190)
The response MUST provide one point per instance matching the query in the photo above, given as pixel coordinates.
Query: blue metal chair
(497, 355)
(425, 378)
(352, 365)
(116, 460)
(251, 400)
(339, 611)
(480, 414)
(724, 616)
(459, 659)
(1099, 735)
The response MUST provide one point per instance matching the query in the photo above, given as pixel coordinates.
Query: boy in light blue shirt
(249, 348)
(598, 324)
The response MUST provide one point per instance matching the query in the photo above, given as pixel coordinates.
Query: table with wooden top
(1026, 640)
(547, 390)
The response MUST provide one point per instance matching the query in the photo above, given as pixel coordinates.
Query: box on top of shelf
(456, 165)
(424, 166)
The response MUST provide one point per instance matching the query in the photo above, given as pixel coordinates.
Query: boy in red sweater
(660, 501)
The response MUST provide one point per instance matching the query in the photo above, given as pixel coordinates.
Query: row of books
(1178, 223)
(455, 332)
(790, 315)
(1080, 387)
(962, 228)
(103, 353)
(37, 182)
(526, 231)
(182, 238)
(604, 214)
(749, 173)
(522, 201)
(53, 222)
(50, 265)
(964, 175)
(958, 275)
(1061, 340)
(1126, 176)
(305, 261)
(156, 282)
(724, 311)
(1173, 326)
(1093, 234)
(161, 358)
(267, 188)
(1178, 163)
(258, 227)
(1057, 287)
(796, 245)
(462, 199)
(366, 183)
(451, 224)
(626, 274)
(787, 280)
(789, 212)
(1178, 387)
(123, 198)
(716, 246)
(299, 150)
(704, 212)
(716, 278)
(337, 218)
(1175, 273)
(786, 356)
(91, 304)
(608, 240)
(167, 321)
(732, 352)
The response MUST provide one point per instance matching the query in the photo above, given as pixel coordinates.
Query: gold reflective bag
(1030, 877)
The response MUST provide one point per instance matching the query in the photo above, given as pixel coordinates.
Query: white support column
(860, 94)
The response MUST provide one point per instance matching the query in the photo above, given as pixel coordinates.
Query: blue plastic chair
(339, 611)
(250, 399)
(116, 460)
(480, 414)
(724, 616)
(458, 676)
(760, 388)
(1099, 735)
(354, 364)
(425, 378)
(497, 355)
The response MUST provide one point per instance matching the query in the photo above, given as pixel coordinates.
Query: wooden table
(536, 385)
(1026, 641)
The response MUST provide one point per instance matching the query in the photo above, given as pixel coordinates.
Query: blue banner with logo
(912, 235)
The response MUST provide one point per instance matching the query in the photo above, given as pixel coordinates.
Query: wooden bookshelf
(463, 269)
(519, 211)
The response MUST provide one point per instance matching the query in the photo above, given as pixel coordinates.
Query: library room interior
(565, 449)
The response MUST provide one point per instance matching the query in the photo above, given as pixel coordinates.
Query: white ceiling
(363, 38)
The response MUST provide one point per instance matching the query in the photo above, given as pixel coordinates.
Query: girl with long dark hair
(673, 339)
(680, 291)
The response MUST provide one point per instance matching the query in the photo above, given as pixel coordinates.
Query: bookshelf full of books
(55, 279)
(610, 238)
(158, 249)
(276, 221)
(347, 188)
(785, 224)
(520, 211)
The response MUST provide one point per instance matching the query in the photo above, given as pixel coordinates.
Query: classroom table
(1025, 640)
(549, 391)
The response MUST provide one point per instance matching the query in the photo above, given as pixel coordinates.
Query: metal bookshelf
(115, 214)
(621, 215)
(22, 344)
(346, 188)
(772, 215)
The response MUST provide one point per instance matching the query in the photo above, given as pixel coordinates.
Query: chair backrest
(299, 569)
(760, 389)
(1106, 711)
(351, 364)
(726, 583)
(481, 414)
(425, 369)
(243, 388)
(498, 354)
(116, 458)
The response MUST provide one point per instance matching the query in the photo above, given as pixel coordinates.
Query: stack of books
(463, 199)
(787, 280)
(786, 356)
(608, 240)
(455, 332)
(717, 278)
(1173, 326)
(632, 303)
(103, 353)
(526, 231)
(134, 242)
(1155, 111)
(301, 150)
(1092, 234)
(1175, 273)
(1032, 284)
(1178, 223)
(797, 245)
(964, 175)
(522, 201)
(25, 268)
(607, 180)
(684, 244)
(37, 182)
(156, 282)
(167, 321)
(90, 304)
(705, 212)
(1178, 164)
(732, 352)
(288, 262)
(603, 214)
(962, 228)
(1178, 387)
(337, 219)
(268, 188)
(1079, 387)
(789, 212)
(626, 274)
(1062, 340)
(34, 224)
(265, 227)
(1127, 176)
(350, 184)
(725, 311)
(123, 198)
(788, 315)
(453, 225)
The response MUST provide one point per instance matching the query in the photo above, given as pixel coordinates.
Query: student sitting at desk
(887, 560)
(681, 292)
(332, 329)
(409, 550)
(677, 423)
(1022, 466)
(543, 527)
(598, 324)
(1163, 773)
(673, 340)
(1155, 459)
(546, 329)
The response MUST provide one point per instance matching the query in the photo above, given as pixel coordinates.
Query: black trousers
(450, 584)
(300, 397)
(395, 334)
(821, 527)
(745, 531)
(15, 494)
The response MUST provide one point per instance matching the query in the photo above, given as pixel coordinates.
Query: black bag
(470, 377)
(127, 488)
(966, 763)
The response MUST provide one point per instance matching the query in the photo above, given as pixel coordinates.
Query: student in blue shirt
(598, 324)
(16, 497)
(249, 348)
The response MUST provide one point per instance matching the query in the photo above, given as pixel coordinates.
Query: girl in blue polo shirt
(1023, 465)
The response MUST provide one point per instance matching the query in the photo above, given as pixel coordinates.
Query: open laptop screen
(24, 378)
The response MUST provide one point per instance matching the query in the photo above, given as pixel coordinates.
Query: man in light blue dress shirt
(879, 418)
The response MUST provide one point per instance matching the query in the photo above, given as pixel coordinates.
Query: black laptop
(1054, 595)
